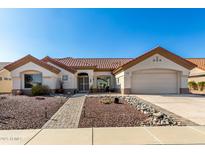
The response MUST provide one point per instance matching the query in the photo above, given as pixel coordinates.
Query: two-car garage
(154, 82)
(155, 72)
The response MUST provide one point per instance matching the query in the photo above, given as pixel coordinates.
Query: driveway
(191, 107)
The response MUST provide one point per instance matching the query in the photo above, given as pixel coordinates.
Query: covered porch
(91, 81)
(103, 82)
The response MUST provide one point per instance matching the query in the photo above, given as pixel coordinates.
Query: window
(31, 80)
(1, 78)
(65, 77)
(6, 78)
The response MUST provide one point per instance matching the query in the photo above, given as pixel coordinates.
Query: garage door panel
(152, 82)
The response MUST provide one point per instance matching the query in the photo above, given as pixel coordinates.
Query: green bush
(193, 85)
(106, 100)
(201, 85)
(38, 90)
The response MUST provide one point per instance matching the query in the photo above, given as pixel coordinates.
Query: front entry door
(83, 83)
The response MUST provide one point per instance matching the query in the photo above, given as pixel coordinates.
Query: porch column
(184, 84)
(127, 83)
(94, 82)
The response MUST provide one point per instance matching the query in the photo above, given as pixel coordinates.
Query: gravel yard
(24, 112)
(97, 114)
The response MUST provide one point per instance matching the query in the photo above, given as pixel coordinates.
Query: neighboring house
(155, 72)
(5, 79)
(198, 73)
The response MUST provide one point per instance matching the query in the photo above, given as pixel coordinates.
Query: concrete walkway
(106, 136)
(68, 115)
(191, 107)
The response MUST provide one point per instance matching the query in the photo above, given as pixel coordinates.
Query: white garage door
(154, 82)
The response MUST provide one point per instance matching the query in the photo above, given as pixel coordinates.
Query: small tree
(193, 85)
(201, 85)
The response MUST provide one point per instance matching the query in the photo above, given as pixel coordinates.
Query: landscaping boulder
(156, 118)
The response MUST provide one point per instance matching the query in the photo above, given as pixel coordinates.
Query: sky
(100, 32)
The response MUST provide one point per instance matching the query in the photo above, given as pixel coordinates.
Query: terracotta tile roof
(75, 63)
(97, 63)
(59, 64)
(29, 58)
(106, 63)
(200, 62)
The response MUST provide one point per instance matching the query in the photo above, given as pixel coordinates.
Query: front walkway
(106, 136)
(68, 115)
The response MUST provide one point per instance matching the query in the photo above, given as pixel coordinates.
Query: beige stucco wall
(120, 81)
(195, 72)
(5, 85)
(197, 79)
(49, 78)
(165, 63)
(71, 83)
(52, 79)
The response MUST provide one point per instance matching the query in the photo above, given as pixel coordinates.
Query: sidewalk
(96, 136)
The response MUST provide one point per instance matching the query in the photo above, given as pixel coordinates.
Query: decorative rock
(158, 114)
(179, 123)
(156, 118)
(175, 123)
(3, 97)
(145, 112)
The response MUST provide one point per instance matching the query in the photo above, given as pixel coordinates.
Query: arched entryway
(83, 82)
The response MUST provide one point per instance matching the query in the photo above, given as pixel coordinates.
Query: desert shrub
(106, 100)
(201, 85)
(193, 85)
(38, 90)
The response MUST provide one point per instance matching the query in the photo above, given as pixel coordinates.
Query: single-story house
(5, 79)
(197, 74)
(156, 72)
